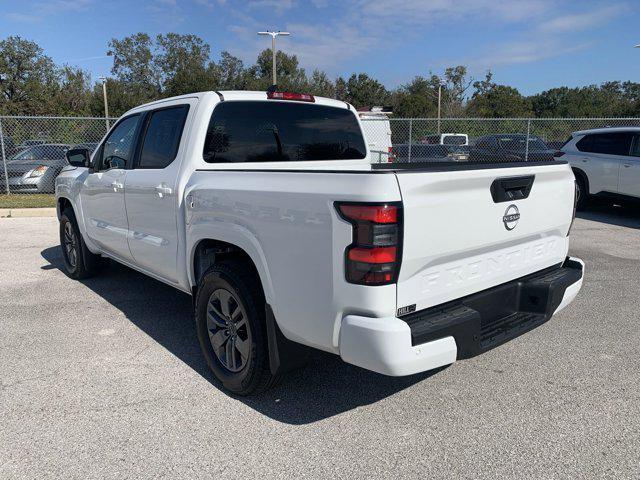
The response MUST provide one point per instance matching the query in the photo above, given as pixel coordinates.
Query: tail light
(392, 157)
(300, 97)
(373, 258)
(558, 154)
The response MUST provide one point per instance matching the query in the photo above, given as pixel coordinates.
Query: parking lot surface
(104, 379)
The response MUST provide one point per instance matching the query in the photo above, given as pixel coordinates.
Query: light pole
(439, 104)
(106, 105)
(273, 50)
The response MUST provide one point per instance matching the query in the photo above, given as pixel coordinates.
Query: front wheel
(79, 262)
(230, 317)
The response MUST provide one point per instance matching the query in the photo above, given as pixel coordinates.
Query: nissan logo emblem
(511, 217)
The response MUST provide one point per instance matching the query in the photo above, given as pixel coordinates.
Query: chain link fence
(426, 140)
(32, 148)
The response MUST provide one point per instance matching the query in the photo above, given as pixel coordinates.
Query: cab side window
(119, 147)
(162, 137)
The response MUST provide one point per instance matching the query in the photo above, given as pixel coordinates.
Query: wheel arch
(581, 174)
(63, 203)
(207, 251)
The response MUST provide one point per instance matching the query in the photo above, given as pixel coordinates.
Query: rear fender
(235, 235)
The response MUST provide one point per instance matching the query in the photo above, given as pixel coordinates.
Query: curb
(27, 212)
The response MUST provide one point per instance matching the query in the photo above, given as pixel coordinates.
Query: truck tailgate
(459, 238)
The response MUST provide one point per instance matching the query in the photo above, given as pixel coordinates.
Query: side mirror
(78, 157)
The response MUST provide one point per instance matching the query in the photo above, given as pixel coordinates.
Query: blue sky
(529, 44)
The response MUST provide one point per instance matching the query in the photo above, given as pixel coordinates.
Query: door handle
(117, 186)
(627, 165)
(163, 190)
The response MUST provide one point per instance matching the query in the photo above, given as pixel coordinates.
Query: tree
(135, 68)
(319, 84)
(73, 92)
(418, 98)
(28, 78)
(341, 89)
(363, 91)
(289, 75)
(231, 73)
(497, 101)
(454, 90)
(184, 65)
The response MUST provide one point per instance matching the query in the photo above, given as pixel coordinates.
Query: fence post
(526, 145)
(410, 130)
(4, 160)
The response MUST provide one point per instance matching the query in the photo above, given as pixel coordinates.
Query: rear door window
(615, 143)
(162, 137)
(271, 131)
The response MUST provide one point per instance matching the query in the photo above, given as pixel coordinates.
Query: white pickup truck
(265, 208)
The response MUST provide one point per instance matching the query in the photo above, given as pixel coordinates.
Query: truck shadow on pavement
(326, 387)
(612, 214)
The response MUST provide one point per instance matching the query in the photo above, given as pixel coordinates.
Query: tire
(582, 192)
(79, 262)
(233, 338)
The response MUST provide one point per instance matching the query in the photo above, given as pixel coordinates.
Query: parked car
(453, 146)
(265, 207)
(606, 163)
(34, 169)
(10, 148)
(29, 143)
(91, 146)
(421, 153)
(510, 147)
(453, 139)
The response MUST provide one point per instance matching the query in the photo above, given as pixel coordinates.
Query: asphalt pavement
(104, 379)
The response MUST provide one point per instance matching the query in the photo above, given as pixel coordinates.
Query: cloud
(23, 18)
(580, 21)
(169, 13)
(525, 51)
(421, 11)
(340, 32)
(43, 9)
(278, 5)
(325, 48)
(210, 4)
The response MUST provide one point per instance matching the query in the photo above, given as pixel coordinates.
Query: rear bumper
(460, 329)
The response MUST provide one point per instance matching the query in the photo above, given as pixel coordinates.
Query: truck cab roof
(239, 95)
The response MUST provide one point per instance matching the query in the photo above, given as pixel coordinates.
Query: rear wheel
(230, 317)
(79, 262)
(582, 193)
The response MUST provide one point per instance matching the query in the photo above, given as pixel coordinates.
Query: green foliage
(29, 78)
(497, 101)
(147, 68)
(363, 91)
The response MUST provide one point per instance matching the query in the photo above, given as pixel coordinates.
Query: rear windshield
(453, 140)
(272, 131)
(518, 143)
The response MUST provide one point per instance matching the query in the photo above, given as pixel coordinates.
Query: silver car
(34, 169)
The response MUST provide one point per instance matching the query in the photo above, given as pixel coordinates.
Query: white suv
(606, 162)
